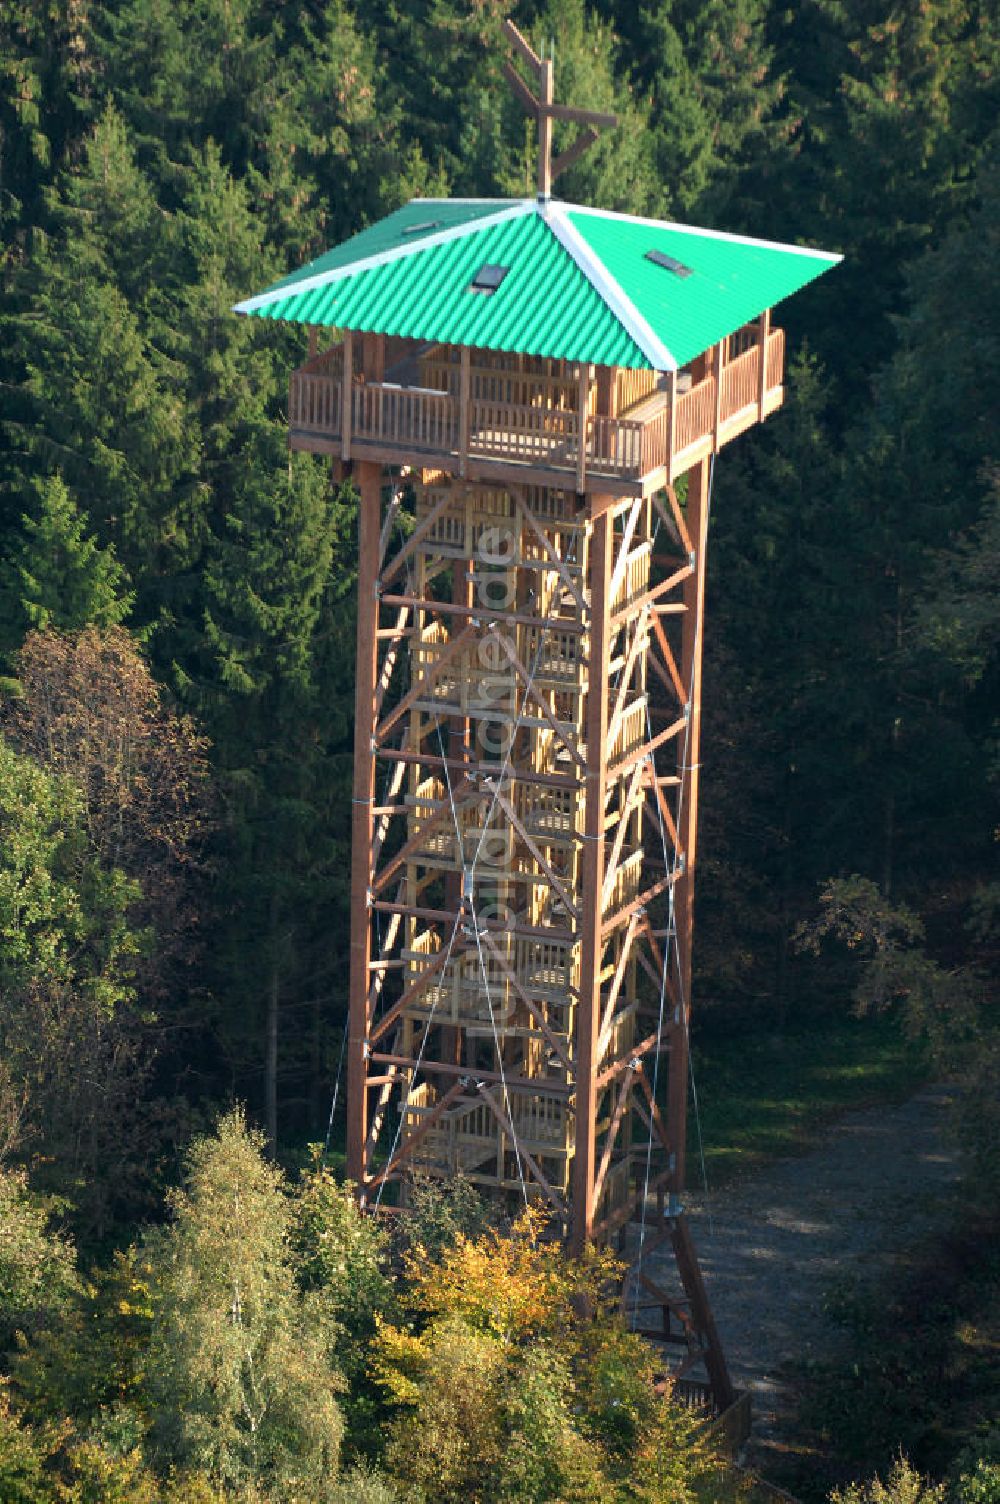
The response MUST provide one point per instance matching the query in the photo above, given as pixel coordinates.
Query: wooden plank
(694, 1287)
(607, 1021)
(394, 635)
(582, 405)
(717, 359)
(546, 90)
(550, 551)
(535, 695)
(573, 153)
(640, 639)
(387, 1082)
(442, 916)
(464, 395)
(604, 1230)
(670, 661)
(675, 519)
(417, 537)
(652, 597)
(610, 1074)
(559, 477)
(535, 850)
(416, 842)
(521, 44)
(592, 875)
(480, 467)
(551, 1194)
(482, 769)
(657, 1117)
(497, 618)
(648, 748)
(764, 326)
(623, 915)
(664, 810)
(624, 1092)
(582, 117)
(426, 681)
(346, 396)
(555, 1044)
(369, 482)
(406, 1148)
(688, 768)
(621, 562)
(528, 1084)
(391, 513)
(623, 819)
(381, 830)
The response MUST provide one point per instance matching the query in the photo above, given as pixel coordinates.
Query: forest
(176, 707)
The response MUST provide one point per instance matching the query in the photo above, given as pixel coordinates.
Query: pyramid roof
(578, 284)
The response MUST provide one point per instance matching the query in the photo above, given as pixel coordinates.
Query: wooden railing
(510, 430)
(614, 446)
(501, 384)
(695, 414)
(405, 416)
(314, 394)
(740, 383)
(539, 433)
(775, 368)
(633, 387)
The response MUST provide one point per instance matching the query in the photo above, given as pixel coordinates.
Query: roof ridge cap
(607, 287)
(729, 237)
(513, 209)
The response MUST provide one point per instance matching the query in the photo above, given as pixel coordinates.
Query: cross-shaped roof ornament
(545, 111)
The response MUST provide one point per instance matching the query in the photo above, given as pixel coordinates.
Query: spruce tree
(280, 726)
(58, 576)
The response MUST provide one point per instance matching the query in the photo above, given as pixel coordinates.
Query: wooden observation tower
(516, 389)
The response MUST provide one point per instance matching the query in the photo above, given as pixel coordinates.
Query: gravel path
(771, 1246)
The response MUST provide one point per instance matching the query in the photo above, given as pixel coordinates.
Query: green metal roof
(580, 286)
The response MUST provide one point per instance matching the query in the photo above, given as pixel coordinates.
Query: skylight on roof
(427, 224)
(670, 263)
(488, 278)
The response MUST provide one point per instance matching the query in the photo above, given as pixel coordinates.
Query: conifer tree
(93, 391)
(57, 576)
(278, 726)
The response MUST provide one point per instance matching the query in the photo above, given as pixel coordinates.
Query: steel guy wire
(336, 1093)
(543, 627)
(467, 896)
(671, 920)
(419, 1059)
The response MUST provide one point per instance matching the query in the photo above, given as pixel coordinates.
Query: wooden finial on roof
(542, 106)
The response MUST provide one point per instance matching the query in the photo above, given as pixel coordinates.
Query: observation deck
(488, 416)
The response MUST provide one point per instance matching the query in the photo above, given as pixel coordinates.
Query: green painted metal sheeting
(580, 286)
(732, 279)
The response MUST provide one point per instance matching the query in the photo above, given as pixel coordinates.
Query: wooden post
(694, 1287)
(582, 403)
(592, 869)
(369, 479)
(373, 356)
(691, 656)
(545, 132)
(347, 391)
(717, 363)
(671, 426)
(764, 323)
(464, 397)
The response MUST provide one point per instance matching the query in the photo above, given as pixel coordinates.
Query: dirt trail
(772, 1246)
